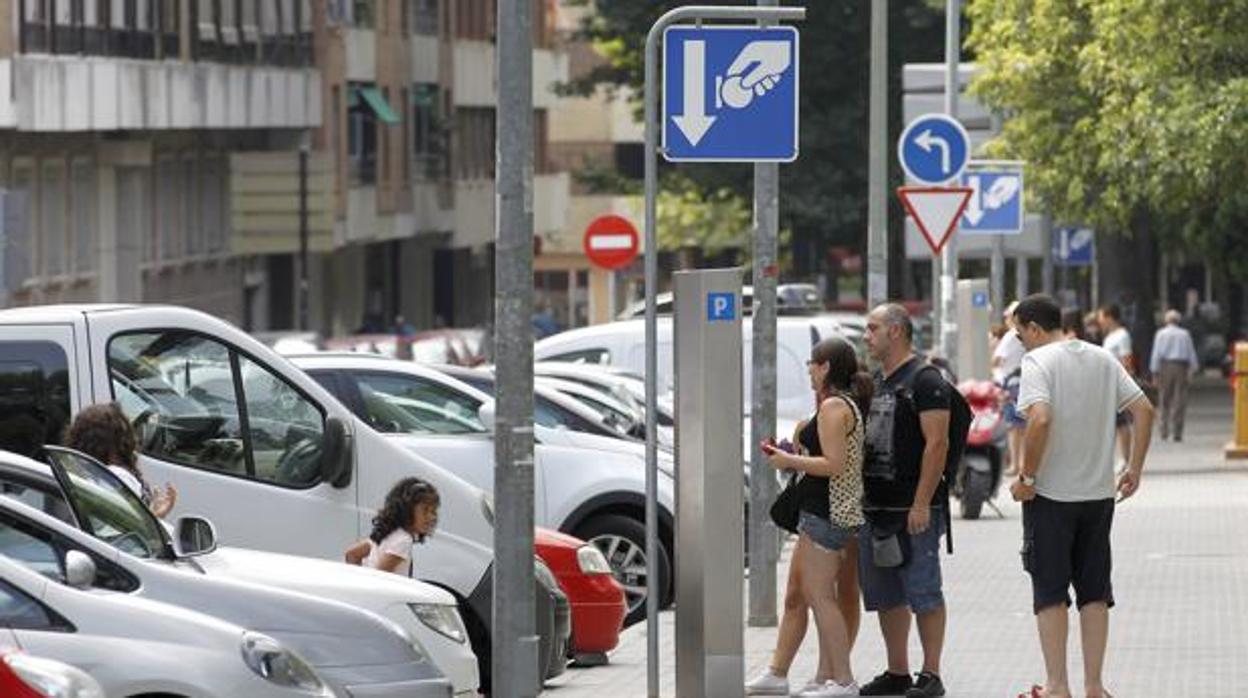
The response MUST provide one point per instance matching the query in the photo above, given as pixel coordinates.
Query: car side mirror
(194, 536)
(486, 414)
(79, 570)
(336, 455)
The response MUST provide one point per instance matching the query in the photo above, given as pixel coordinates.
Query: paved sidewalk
(1181, 581)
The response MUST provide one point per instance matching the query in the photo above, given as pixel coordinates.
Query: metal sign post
(515, 643)
(948, 327)
(694, 134)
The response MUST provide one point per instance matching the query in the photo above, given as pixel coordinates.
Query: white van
(249, 440)
(623, 344)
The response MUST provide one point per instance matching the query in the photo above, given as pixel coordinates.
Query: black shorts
(1067, 544)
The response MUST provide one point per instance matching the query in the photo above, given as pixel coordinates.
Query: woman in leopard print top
(830, 500)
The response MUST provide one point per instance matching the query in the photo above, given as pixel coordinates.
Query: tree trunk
(1128, 267)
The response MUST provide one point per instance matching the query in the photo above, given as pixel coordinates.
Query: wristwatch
(1027, 480)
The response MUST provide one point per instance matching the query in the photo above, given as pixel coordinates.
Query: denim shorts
(824, 533)
(916, 584)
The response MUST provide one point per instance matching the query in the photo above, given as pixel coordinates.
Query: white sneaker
(808, 686)
(831, 689)
(767, 684)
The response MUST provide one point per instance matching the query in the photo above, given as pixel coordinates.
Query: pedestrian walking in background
(899, 546)
(824, 567)
(103, 432)
(1072, 393)
(408, 516)
(1007, 358)
(1172, 365)
(1118, 343)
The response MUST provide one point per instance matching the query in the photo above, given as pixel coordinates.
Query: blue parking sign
(730, 94)
(721, 307)
(1073, 247)
(996, 205)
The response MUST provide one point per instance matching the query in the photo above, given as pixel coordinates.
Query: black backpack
(959, 420)
(959, 427)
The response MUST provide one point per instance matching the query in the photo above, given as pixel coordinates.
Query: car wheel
(622, 541)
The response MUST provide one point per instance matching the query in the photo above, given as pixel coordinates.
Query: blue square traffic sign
(721, 307)
(996, 205)
(730, 93)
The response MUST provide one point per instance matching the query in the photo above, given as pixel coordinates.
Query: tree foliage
(1126, 111)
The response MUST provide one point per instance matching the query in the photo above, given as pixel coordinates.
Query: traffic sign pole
(687, 13)
(515, 672)
(877, 162)
(949, 259)
(762, 534)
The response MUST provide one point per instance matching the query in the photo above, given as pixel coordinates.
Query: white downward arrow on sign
(694, 123)
(927, 141)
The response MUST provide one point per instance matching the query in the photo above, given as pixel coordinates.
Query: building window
(474, 19)
(82, 202)
(541, 142)
(426, 17)
(474, 143)
(134, 207)
(52, 224)
(188, 209)
(21, 242)
(363, 14)
(212, 207)
(168, 16)
(168, 197)
(366, 106)
(428, 135)
(405, 137)
(361, 138)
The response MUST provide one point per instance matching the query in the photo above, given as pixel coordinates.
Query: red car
(597, 599)
(24, 676)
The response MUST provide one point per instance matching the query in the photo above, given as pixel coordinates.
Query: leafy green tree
(1131, 115)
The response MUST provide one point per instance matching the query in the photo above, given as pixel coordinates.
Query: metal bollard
(1238, 447)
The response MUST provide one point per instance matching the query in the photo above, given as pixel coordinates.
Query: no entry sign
(611, 242)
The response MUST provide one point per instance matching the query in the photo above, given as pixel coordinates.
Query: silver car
(355, 652)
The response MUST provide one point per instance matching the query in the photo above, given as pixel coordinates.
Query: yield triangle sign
(936, 210)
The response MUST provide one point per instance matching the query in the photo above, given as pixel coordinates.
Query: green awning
(378, 102)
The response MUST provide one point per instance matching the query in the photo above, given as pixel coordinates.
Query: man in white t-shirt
(1118, 342)
(1072, 392)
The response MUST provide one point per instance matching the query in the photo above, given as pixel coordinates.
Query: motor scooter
(980, 472)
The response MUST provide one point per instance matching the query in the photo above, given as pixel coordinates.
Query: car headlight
(441, 619)
(276, 664)
(592, 561)
(543, 574)
(53, 679)
(487, 507)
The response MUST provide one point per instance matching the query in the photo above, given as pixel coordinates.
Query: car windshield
(396, 414)
(107, 508)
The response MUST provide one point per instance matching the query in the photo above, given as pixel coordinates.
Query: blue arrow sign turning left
(934, 149)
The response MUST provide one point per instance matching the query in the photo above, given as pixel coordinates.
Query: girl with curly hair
(409, 515)
(103, 432)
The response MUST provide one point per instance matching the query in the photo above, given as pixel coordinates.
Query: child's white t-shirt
(398, 543)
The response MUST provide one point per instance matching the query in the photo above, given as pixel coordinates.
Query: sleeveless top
(838, 498)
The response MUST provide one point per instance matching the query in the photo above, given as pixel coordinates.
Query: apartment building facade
(149, 151)
(120, 122)
(410, 90)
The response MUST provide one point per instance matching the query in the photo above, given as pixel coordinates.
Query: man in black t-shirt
(907, 442)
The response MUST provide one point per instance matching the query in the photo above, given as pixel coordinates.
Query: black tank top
(812, 491)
